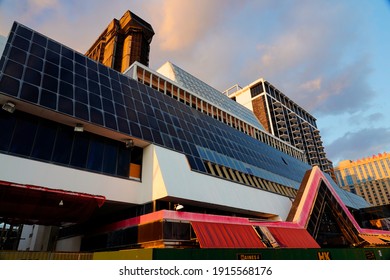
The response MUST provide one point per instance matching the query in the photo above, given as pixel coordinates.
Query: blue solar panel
(43, 72)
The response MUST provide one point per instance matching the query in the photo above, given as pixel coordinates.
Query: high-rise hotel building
(368, 177)
(283, 118)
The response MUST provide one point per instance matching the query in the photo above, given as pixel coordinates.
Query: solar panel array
(40, 71)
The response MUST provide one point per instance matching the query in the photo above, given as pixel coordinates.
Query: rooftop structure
(123, 42)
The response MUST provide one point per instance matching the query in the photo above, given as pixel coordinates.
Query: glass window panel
(81, 111)
(95, 155)
(44, 142)
(81, 95)
(53, 57)
(9, 85)
(50, 83)
(17, 55)
(135, 130)
(80, 69)
(120, 111)
(54, 46)
(146, 134)
(80, 58)
(23, 138)
(95, 101)
(96, 116)
(157, 137)
(123, 163)
(132, 115)
(7, 124)
(115, 85)
(91, 64)
(106, 92)
(37, 50)
(66, 89)
(93, 87)
(13, 69)
(110, 158)
(79, 150)
(113, 74)
(26, 33)
(108, 106)
(21, 43)
(48, 99)
(66, 76)
(110, 121)
(51, 69)
(63, 145)
(123, 125)
(67, 63)
(29, 93)
(32, 77)
(65, 105)
(67, 52)
(80, 82)
(39, 39)
(118, 97)
(136, 155)
(35, 63)
(93, 75)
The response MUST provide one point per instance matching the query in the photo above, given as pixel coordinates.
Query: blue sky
(331, 57)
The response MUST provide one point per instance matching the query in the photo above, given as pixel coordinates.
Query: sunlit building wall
(368, 177)
(283, 118)
(123, 42)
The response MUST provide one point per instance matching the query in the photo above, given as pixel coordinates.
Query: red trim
(21, 203)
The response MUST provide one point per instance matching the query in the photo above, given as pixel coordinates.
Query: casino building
(93, 159)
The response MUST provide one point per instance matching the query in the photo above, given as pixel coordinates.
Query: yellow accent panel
(135, 254)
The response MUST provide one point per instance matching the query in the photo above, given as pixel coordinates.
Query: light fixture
(178, 207)
(9, 107)
(79, 128)
(129, 143)
(61, 203)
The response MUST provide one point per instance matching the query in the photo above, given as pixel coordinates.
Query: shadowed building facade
(123, 42)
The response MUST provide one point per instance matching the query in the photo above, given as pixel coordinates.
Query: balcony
(284, 136)
(282, 128)
(297, 136)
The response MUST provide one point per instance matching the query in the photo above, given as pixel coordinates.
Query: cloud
(183, 24)
(351, 144)
(312, 59)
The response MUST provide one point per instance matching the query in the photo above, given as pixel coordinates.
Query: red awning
(293, 237)
(215, 235)
(39, 205)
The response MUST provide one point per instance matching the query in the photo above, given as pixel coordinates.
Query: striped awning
(219, 235)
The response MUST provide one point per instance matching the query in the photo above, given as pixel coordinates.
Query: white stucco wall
(172, 177)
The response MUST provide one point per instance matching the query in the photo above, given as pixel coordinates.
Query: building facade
(368, 177)
(93, 159)
(123, 42)
(284, 119)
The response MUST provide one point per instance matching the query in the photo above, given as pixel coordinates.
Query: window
(32, 137)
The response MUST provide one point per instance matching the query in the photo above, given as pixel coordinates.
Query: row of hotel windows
(248, 179)
(36, 138)
(161, 84)
(277, 95)
(363, 172)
